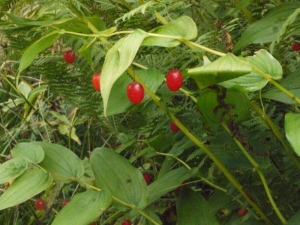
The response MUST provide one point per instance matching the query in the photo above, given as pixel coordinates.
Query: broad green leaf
(61, 162)
(29, 184)
(262, 60)
(183, 27)
(118, 101)
(84, 208)
(168, 182)
(265, 29)
(292, 130)
(37, 47)
(222, 69)
(213, 113)
(11, 169)
(291, 83)
(117, 60)
(115, 174)
(193, 209)
(29, 151)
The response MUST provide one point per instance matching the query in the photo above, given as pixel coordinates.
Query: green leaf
(84, 208)
(37, 47)
(29, 151)
(11, 169)
(31, 183)
(118, 101)
(291, 83)
(183, 27)
(115, 174)
(292, 130)
(193, 209)
(222, 69)
(262, 60)
(168, 182)
(61, 162)
(117, 60)
(265, 29)
(208, 105)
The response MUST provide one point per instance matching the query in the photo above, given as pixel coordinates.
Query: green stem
(261, 175)
(200, 144)
(276, 132)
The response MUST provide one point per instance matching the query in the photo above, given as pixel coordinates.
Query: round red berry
(174, 80)
(147, 178)
(296, 46)
(242, 212)
(96, 82)
(39, 204)
(135, 92)
(69, 56)
(126, 222)
(65, 201)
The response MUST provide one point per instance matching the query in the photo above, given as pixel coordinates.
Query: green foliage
(238, 126)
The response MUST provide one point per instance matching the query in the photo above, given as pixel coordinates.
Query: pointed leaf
(183, 27)
(29, 151)
(11, 169)
(224, 68)
(37, 47)
(61, 162)
(264, 61)
(168, 182)
(84, 208)
(292, 130)
(115, 174)
(265, 29)
(193, 209)
(117, 60)
(31, 183)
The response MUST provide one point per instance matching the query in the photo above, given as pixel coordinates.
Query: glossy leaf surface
(292, 130)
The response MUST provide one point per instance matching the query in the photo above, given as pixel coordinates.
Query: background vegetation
(238, 140)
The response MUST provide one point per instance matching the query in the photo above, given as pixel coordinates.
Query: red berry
(126, 222)
(39, 204)
(147, 178)
(69, 56)
(135, 92)
(296, 46)
(174, 80)
(242, 212)
(96, 82)
(66, 201)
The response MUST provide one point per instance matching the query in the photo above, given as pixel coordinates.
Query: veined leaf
(253, 81)
(222, 69)
(84, 208)
(292, 130)
(37, 47)
(11, 169)
(29, 151)
(117, 60)
(183, 27)
(265, 29)
(115, 174)
(31, 183)
(61, 162)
